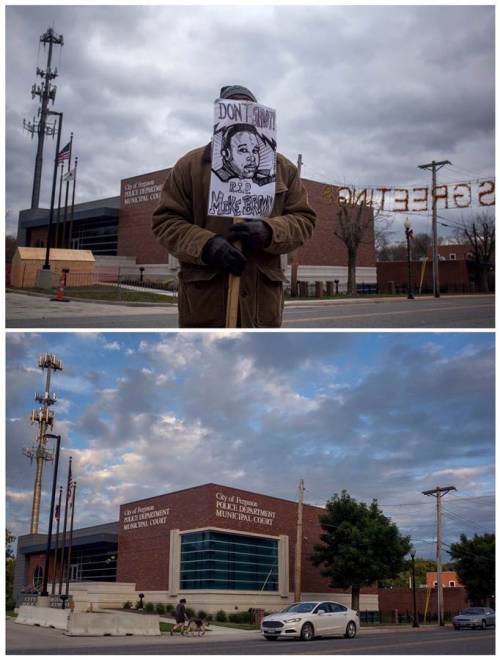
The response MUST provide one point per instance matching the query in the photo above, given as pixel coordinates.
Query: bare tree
(479, 232)
(10, 247)
(353, 223)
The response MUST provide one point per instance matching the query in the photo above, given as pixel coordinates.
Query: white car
(309, 619)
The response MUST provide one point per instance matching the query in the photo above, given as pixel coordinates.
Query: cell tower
(47, 92)
(44, 417)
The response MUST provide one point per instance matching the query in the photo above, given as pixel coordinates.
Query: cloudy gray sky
(383, 416)
(364, 93)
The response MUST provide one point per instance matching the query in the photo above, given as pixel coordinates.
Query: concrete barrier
(46, 617)
(111, 623)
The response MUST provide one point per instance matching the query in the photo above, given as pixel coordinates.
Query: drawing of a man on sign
(243, 177)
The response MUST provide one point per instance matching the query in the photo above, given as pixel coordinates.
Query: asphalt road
(24, 311)
(27, 640)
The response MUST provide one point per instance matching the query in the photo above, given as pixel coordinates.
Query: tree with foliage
(479, 232)
(474, 563)
(10, 566)
(422, 567)
(359, 545)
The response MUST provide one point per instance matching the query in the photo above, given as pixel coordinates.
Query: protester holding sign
(239, 175)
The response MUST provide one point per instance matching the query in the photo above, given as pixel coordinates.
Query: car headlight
(292, 620)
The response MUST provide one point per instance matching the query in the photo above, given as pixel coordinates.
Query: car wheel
(307, 632)
(483, 624)
(350, 630)
(271, 638)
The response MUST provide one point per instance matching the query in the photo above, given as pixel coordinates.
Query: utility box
(28, 261)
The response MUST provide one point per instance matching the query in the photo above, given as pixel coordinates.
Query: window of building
(38, 578)
(452, 583)
(219, 560)
(453, 256)
(435, 583)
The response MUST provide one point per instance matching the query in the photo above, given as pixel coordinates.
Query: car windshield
(300, 607)
(473, 610)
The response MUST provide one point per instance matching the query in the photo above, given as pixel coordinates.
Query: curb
(123, 303)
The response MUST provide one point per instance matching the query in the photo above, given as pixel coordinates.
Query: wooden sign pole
(233, 293)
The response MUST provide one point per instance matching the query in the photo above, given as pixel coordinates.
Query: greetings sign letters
(144, 516)
(243, 177)
(235, 507)
(461, 195)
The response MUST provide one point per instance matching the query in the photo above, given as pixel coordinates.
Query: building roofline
(211, 483)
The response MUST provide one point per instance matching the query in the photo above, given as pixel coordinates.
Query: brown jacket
(182, 225)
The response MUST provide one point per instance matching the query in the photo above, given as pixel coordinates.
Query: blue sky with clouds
(382, 415)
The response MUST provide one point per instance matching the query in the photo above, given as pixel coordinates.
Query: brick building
(218, 547)
(120, 228)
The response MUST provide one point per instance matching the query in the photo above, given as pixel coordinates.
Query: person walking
(180, 617)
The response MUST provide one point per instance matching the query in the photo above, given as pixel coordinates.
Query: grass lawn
(11, 614)
(112, 293)
(166, 627)
(239, 626)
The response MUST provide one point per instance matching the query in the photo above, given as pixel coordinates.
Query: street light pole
(51, 518)
(414, 589)
(409, 236)
(46, 279)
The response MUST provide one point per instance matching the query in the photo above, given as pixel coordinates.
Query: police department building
(216, 546)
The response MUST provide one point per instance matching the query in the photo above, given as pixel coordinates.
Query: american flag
(70, 483)
(64, 153)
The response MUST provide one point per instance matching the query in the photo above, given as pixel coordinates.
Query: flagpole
(52, 503)
(58, 222)
(56, 549)
(70, 237)
(46, 265)
(67, 193)
(70, 544)
(61, 573)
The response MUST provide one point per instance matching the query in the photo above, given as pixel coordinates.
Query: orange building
(449, 579)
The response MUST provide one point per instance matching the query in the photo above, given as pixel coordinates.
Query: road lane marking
(381, 647)
(393, 313)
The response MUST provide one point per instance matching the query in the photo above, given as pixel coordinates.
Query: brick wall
(452, 274)
(143, 552)
(401, 598)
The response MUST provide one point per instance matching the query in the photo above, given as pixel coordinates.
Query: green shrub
(202, 614)
(189, 612)
(138, 605)
(221, 616)
(240, 617)
(170, 609)
(149, 608)
(160, 608)
(127, 605)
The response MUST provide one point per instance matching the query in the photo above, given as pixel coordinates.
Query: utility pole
(47, 92)
(438, 493)
(434, 166)
(44, 417)
(299, 164)
(298, 545)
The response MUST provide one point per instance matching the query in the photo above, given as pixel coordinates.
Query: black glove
(254, 234)
(220, 254)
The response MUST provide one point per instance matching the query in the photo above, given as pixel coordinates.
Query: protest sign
(243, 177)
